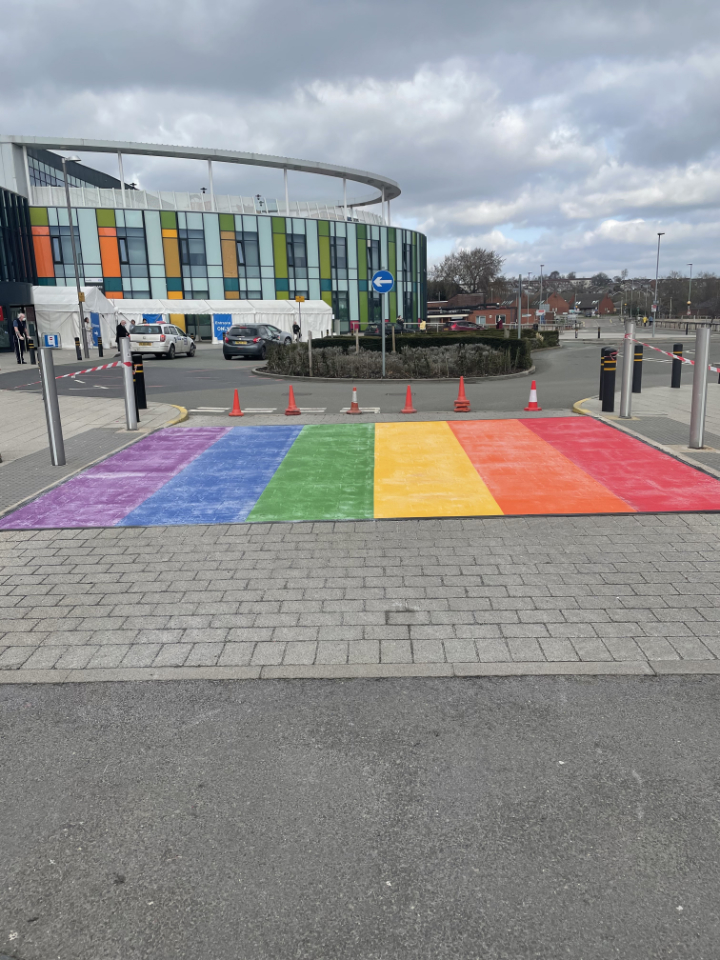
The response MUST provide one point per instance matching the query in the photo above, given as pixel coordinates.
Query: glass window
(373, 256)
(57, 250)
(296, 252)
(338, 253)
(240, 253)
(146, 330)
(341, 305)
(192, 251)
(407, 257)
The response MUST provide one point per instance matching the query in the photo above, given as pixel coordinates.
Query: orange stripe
(43, 256)
(109, 256)
(530, 477)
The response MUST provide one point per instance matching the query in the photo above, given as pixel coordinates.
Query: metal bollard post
(139, 382)
(131, 420)
(687, 329)
(608, 397)
(100, 346)
(310, 351)
(392, 330)
(599, 332)
(52, 409)
(637, 368)
(676, 366)
(31, 350)
(699, 387)
(357, 341)
(627, 372)
(77, 348)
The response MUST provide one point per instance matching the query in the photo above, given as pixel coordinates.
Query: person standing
(423, 325)
(20, 331)
(296, 331)
(120, 332)
(400, 324)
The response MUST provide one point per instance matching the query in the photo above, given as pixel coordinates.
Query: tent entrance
(199, 326)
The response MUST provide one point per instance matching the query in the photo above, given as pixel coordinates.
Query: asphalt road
(564, 375)
(500, 819)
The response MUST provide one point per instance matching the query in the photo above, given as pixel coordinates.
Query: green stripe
(328, 474)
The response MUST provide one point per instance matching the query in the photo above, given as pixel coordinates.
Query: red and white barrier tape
(105, 366)
(675, 356)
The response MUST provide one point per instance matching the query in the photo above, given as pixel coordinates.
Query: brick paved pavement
(502, 595)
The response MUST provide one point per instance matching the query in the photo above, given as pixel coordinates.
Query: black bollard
(676, 366)
(609, 367)
(139, 381)
(637, 368)
(77, 348)
(31, 350)
(603, 354)
(100, 349)
(598, 333)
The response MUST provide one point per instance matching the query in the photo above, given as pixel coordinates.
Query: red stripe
(646, 478)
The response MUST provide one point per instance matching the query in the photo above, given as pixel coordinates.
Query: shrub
(477, 360)
(520, 357)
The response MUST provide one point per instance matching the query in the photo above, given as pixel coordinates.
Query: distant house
(594, 306)
(554, 303)
(468, 301)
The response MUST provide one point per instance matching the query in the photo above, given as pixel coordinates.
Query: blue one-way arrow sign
(383, 281)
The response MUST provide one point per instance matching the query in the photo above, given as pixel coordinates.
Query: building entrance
(199, 326)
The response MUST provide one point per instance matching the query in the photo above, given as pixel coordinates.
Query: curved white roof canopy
(384, 185)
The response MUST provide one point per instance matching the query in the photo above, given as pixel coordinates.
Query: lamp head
(72, 159)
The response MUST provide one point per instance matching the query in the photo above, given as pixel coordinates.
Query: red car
(462, 325)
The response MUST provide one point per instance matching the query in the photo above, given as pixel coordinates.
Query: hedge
(520, 356)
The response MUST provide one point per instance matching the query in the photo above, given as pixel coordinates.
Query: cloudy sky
(556, 132)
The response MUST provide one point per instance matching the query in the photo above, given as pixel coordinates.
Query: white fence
(87, 196)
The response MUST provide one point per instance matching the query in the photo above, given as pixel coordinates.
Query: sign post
(383, 282)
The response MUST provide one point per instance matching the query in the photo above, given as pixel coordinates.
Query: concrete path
(23, 429)
(590, 595)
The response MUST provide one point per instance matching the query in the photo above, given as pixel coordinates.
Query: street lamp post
(657, 268)
(83, 336)
(540, 302)
(689, 305)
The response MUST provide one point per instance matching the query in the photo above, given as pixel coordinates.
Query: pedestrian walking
(400, 324)
(20, 336)
(423, 325)
(296, 331)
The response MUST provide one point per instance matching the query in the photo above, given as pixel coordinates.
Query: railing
(87, 196)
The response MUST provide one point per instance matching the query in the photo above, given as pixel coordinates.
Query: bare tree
(472, 271)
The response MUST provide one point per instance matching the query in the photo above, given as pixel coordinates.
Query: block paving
(409, 594)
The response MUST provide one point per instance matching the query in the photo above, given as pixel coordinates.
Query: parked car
(251, 340)
(458, 326)
(161, 340)
(375, 329)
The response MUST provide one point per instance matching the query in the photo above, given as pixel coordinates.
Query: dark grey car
(251, 340)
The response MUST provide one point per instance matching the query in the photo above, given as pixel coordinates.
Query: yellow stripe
(422, 471)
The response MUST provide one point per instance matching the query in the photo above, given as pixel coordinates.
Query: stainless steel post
(126, 357)
(383, 331)
(52, 410)
(310, 351)
(699, 387)
(627, 371)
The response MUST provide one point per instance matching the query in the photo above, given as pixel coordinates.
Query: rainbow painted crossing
(361, 471)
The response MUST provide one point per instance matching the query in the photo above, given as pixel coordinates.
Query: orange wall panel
(172, 257)
(109, 256)
(114, 295)
(43, 254)
(107, 232)
(229, 258)
(174, 295)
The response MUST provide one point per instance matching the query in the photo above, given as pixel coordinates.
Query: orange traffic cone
(533, 403)
(408, 408)
(462, 404)
(354, 408)
(236, 411)
(292, 410)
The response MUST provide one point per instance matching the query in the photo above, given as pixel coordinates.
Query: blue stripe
(223, 484)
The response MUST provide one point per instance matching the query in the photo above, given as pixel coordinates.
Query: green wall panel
(105, 218)
(280, 249)
(324, 245)
(278, 224)
(38, 217)
(227, 221)
(363, 298)
(323, 228)
(168, 220)
(361, 256)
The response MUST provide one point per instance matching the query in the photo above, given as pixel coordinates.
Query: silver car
(161, 340)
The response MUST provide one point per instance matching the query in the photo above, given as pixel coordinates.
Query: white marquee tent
(315, 315)
(56, 311)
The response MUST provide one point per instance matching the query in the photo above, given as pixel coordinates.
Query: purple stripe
(103, 495)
